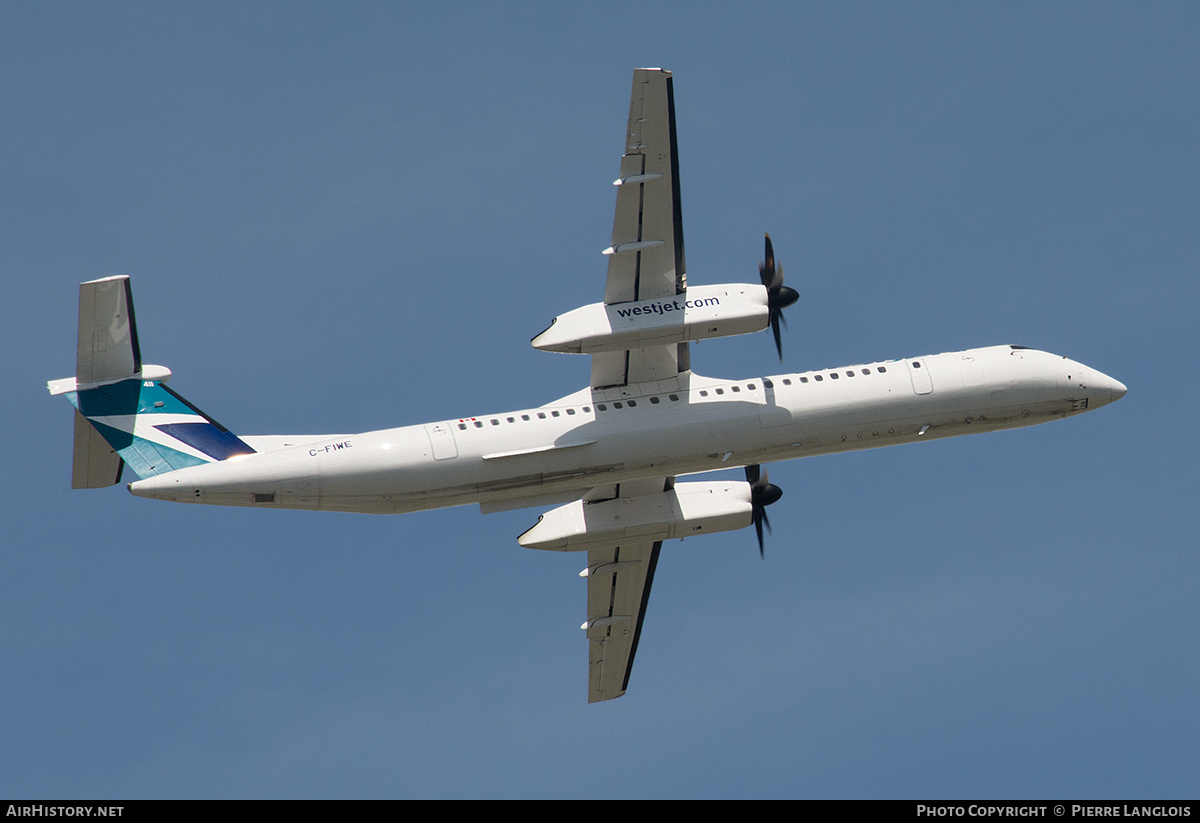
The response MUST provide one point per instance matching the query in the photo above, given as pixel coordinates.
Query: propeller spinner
(779, 296)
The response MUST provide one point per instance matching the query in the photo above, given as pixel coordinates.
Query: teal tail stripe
(146, 457)
(153, 428)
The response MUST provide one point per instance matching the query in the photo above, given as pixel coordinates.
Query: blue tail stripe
(205, 437)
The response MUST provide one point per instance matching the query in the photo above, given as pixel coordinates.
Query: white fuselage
(689, 424)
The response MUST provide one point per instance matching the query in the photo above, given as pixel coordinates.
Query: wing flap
(623, 259)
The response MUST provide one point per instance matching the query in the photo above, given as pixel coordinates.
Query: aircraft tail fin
(124, 412)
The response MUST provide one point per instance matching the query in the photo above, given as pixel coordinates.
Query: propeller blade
(779, 296)
(766, 269)
(762, 494)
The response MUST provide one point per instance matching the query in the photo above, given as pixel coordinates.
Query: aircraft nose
(1110, 390)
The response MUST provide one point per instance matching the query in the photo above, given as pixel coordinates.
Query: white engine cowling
(687, 509)
(699, 313)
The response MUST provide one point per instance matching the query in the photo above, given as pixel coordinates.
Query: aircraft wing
(645, 260)
(618, 582)
(619, 577)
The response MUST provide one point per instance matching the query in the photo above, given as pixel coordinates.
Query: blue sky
(342, 218)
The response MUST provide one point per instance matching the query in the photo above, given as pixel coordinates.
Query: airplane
(608, 457)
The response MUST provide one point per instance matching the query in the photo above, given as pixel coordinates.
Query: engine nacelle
(687, 509)
(700, 312)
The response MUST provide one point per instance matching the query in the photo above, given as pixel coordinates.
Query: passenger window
(803, 379)
(850, 374)
(479, 424)
(834, 375)
(883, 369)
(704, 394)
(866, 371)
(570, 411)
(554, 413)
(617, 405)
(462, 426)
(735, 389)
(601, 407)
(654, 401)
(787, 381)
(673, 396)
(524, 417)
(541, 415)
(818, 378)
(751, 387)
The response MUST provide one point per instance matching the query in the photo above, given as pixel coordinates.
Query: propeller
(762, 494)
(779, 296)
